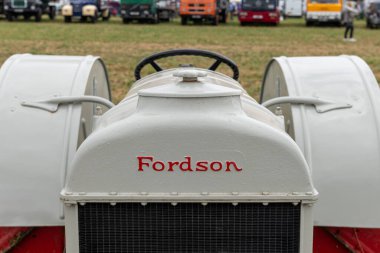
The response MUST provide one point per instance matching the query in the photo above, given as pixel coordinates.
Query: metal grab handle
(52, 104)
(321, 105)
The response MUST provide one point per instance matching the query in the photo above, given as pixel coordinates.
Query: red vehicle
(259, 11)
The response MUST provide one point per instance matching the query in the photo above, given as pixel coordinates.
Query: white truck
(294, 8)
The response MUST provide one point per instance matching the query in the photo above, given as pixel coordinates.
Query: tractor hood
(185, 134)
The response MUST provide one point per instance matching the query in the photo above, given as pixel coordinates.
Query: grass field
(122, 46)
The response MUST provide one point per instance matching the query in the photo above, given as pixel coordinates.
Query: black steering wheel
(151, 60)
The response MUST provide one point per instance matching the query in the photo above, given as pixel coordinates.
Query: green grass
(122, 46)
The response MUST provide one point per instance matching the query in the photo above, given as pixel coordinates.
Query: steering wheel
(151, 60)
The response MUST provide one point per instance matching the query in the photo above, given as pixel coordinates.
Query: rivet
(113, 203)
(143, 193)
(113, 193)
(204, 193)
(174, 203)
(295, 203)
(265, 203)
(235, 193)
(265, 193)
(82, 203)
(174, 193)
(144, 203)
(204, 203)
(235, 203)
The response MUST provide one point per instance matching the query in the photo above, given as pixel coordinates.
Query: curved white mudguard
(37, 138)
(332, 112)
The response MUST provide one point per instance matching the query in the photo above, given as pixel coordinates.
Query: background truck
(294, 8)
(140, 10)
(324, 11)
(1, 7)
(28, 8)
(166, 9)
(199, 11)
(373, 15)
(259, 11)
(86, 9)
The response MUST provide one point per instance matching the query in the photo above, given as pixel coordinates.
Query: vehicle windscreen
(259, 5)
(83, 2)
(324, 1)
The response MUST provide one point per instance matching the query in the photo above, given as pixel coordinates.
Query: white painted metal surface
(341, 146)
(36, 146)
(294, 8)
(166, 118)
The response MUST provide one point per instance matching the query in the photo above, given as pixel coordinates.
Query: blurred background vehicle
(373, 15)
(200, 11)
(166, 9)
(140, 10)
(259, 11)
(114, 7)
(324, 11)
(86, 9)
(28, 8)
(293, 8)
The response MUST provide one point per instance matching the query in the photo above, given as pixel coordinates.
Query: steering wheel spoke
(155, 66)
(219, 59)
(215, 65)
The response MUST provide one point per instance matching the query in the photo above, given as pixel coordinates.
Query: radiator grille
(189, 227)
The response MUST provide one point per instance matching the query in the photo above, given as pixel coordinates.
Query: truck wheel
(38, 16)
(10, 17)
(215, 21)
(94, 18)
(67, 19)
(26, 17)
(107, 17)
(308, 23)
(183, 20)
(126, 21)
(52, 13)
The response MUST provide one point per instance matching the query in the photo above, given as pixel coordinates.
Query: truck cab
(28, 8)
(86, 9)
(259, 11)
(200, 11)
(324, 11)
(140, 10)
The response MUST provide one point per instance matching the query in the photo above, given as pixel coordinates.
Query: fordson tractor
(28, 8)
(188, 161)
(84, 10)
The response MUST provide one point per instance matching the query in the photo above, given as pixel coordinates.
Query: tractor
(28, 8)
(85, 10)
(188, 161)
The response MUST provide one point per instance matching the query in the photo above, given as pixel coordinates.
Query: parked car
(28, 8)
(86, 9)
(373, 15)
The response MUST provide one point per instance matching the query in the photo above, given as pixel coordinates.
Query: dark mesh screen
(189, 227)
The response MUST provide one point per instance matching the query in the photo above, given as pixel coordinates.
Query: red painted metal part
(326, 240)
(265, 17)
(346, 240)
(32, 240)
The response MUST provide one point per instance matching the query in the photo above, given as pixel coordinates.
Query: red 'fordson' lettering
(187, 165)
